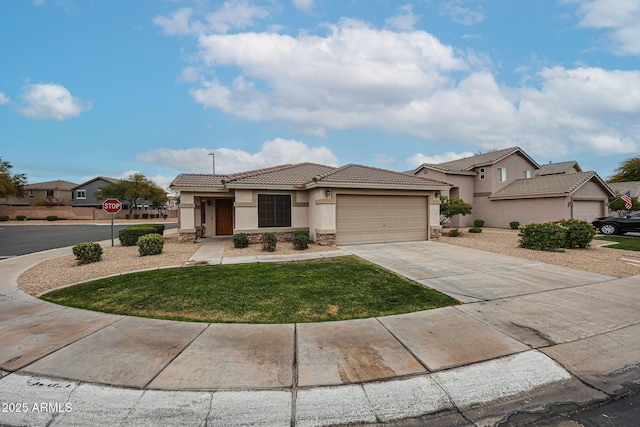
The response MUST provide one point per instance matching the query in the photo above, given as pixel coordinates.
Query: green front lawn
(626, 243)
(311, 291)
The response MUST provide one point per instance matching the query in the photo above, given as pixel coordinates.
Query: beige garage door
(380, 219)
(587, 210)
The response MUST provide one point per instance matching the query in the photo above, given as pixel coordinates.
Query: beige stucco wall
(499, 213)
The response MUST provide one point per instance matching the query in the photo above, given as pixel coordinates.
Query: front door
(224, 217)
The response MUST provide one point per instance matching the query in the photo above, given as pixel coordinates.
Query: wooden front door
(224, 217)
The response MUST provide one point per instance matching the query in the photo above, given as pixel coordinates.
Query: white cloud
(274, 152)
(51, 101)
(460, 12)
(620, 17)
(4, 99)
(405, 20)
(304, 5)
(418, 159)
(233, 14)
(38, 2)
(384, 159)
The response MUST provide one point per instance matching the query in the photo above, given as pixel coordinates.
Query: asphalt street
(25, 239)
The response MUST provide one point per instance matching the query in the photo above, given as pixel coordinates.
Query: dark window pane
(274, 210)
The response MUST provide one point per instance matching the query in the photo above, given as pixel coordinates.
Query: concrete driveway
(531, 335)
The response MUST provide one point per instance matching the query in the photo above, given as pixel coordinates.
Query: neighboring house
(508, 185)
(620, 188)
(83, 194)
(353, 204)
(58, 190)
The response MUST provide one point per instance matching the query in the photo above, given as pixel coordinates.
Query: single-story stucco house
(352, 204)
(508, 185)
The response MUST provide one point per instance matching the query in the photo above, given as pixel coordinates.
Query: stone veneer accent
(436, 232)
(328, 239)
(187, 237)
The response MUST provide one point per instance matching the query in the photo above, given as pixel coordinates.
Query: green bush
(21, 218)
(454, 232)
(478, 223)
(542, 237)
(4, 217)
(150, 244)
(475, 230)
(129, 236)
(52, 218)
(514, 225)
(240, 240)
(269, 242)
(87, 252)
(301, 239)
(579, 234)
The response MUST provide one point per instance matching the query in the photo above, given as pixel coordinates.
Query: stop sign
(112, 206)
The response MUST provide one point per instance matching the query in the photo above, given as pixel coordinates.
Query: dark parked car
(618, 224)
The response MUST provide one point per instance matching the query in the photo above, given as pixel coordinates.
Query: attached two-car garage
(364, 219)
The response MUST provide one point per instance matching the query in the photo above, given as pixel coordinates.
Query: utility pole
(213, 161)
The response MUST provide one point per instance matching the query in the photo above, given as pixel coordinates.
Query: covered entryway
(587, 210)
(380, 219)
(224, 217)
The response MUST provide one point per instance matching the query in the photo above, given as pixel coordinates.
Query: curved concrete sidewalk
(531, 335)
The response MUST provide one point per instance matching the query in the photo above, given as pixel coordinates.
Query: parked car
(618, 224)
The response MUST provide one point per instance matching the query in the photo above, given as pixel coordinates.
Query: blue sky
(91, 87)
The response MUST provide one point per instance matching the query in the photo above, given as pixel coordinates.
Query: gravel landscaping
(596, 259)
(63, 271)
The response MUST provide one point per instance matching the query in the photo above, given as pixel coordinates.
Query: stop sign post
(112, 206)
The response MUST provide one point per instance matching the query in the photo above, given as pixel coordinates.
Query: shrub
(514, 225)
(39, 202)
(454, 232)
(269, 242)
(52, 218)
(21, 217)
(4, 217)
(542, 237)
(475, 230)
(150, 244)
(129, 236)
(578, 234)
(478, 223)
(87, 252)
(240, 240)
(301, 239)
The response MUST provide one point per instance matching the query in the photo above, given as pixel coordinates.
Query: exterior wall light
(327, 192)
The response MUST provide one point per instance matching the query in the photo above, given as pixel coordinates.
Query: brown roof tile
(546, 186)
(192, 180)
(623, 187)
(484, 159)
(558, 168)
(51, 185)
(296, 175)
(358, 174)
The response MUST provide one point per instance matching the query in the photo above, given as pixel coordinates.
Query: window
(30, 193)
(49, 193)
(481, 173)
(81, 194)
(527, 174)
(502, 174)
(274, 210)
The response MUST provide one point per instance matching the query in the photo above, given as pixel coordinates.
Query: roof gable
(485, 159)
(106, 179)
(548, 186)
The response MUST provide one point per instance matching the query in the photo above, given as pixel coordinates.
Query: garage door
(380, 219)
(587, 210)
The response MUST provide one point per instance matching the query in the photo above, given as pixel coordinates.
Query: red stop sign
(112, 206)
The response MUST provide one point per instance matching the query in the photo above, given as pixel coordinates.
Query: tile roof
(193, 180)
(623, 187)
(51, 185)
(358, 174)
(296, 175)
(304, 174)
(558, 168)
(546, 186)
(468, 163)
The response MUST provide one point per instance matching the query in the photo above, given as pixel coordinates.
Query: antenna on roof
(213, 161)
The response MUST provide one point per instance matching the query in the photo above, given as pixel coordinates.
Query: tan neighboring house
(352, 204)
(57, 190)
(508, 185)
(620, 188)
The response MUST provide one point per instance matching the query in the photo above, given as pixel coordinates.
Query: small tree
(134, 190)
(629, 170)
(450, 207)
(11, 184)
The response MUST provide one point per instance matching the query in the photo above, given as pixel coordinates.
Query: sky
(107, 88)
